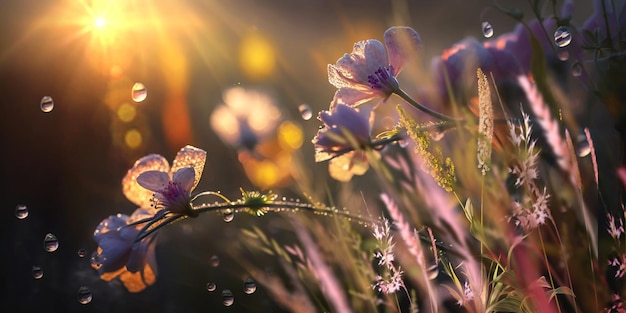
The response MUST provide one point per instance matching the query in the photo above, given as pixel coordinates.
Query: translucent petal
(343, 167)
(367, 56)
(402, 42)
(108, 276)
(339, 167)
(354, 97)
(153, 180)
(190, 156)
(185, 177)
(133, 281)
(135, 193)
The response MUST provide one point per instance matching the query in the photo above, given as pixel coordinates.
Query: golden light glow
(133, 138)
(256, 56)
(126, 112)
(289, 136)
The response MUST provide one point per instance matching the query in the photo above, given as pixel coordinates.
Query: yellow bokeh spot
(266, 174)
(126, 112)
(289, 136)
(256, 56)
(133, 138)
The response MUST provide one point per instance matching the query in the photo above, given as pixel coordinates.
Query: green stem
(424, 109)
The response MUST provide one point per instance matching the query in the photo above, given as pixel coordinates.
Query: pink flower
(369, 72)
(345, 128)
(117, 254)
(171, 187)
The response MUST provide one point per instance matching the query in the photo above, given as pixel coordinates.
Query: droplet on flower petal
(577, 69)
(305, 112)
(562, 36)
(249, 286)
(50, 242)
(46, 104)
(228, 216)
(215, 261)
(582, 146)
(227, 297)
(95, 260)
(211, 287)
(81, 253)
(21, 211)
(487, 30)
(139, 92)
(84, 295)
(37, 272)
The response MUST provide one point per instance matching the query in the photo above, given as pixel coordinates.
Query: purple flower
(505, 57)
(173, 195)
(345, 128)
(459, 64)
(118, 256)
(616, 21)
(168, 188)
(369, 72)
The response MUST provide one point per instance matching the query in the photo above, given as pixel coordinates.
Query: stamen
(384, 79)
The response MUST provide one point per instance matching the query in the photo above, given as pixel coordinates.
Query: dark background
(66, 166)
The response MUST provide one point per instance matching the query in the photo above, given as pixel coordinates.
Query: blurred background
(66, 165)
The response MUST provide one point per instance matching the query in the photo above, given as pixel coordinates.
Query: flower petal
(402, 42)
(190, 156)
(343, 167)
(135, 193)
(153, 180)
(354, 97)
(367, 56)
(185, 177)
(114, 253)
(109, 226)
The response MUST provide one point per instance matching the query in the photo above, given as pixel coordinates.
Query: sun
(99, 22)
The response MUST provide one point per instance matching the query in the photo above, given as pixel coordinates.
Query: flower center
(173, 198)
(384, 80)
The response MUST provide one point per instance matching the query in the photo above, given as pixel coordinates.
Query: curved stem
(291, 205)
(210, 193)
(422, 108)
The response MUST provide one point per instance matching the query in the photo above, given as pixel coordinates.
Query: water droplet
(84, 295)
(82, 253)
(46, 104)
(249, 286)
(305, 112)
(211, 287)
(139, 92)
(403, 143)
(227, 297)
(487, 30)
(577, 69)
(582, 146)
(229, 216)
(562, 36)
(37, 272)
(215, 261)
(50, 242)
(21, 211)
(563, 55)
